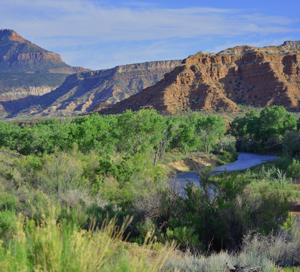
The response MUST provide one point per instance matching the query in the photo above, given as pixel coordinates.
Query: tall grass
(53, 246)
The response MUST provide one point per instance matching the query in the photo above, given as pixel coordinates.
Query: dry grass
(260, 253)
(56, 247)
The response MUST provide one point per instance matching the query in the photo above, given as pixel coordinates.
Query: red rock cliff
(240, 75)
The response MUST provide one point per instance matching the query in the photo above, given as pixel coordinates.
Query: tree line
(272, 127)
(128, 133)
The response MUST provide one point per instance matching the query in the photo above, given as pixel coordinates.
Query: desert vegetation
(90, 194)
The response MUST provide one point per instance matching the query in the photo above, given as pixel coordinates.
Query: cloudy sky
(99, 34)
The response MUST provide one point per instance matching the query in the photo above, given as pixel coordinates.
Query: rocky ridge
(83, 91)
(241, 75)
(19, 54)
(27, 70)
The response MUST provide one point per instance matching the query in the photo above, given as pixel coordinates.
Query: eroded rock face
(27, 71)
(83, 91)
(19, 54)
(240, 75)
(17, 93)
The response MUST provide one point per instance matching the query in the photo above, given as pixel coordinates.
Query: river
(244, 161)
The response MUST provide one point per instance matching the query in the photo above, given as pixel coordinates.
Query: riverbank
(195, 162)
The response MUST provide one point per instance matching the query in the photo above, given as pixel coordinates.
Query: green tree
(169, 134)
(245, 127)
(15, 138)
(50, 134)
(91, 132)
(208, 129)
(274, 121)
(138, 131)
(186, 139)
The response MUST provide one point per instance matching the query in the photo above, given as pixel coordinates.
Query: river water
(245, 160)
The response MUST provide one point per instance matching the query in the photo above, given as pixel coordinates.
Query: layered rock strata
(241, 75)
(27, 70)
(83, 91)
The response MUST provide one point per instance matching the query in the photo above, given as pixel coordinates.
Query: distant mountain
(27, 69)
(83, 91)
(20, 55)
(241, 75)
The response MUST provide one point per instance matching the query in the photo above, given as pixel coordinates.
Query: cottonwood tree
(208, 129)
(91, 132)
(138, 131)
(171, 132)
(274, 121)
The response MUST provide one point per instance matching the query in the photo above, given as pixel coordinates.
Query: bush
(8, 202)
(54, 173)
(225, 209)
(226, 144)
(282, 163)
(293, 169)
(185, 237)
(227, 158)
(250, 146)
(8, 225)
(291, 143)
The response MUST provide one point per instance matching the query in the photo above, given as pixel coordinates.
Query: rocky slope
(240, 75)
(292, 44)
(83, 91)
(27, 70)
(20, 55)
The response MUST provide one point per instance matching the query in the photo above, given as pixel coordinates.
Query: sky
(98, 34)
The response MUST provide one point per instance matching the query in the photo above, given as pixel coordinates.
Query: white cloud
(98, 35)
(86, 19)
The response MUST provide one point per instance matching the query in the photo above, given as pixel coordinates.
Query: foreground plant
(53, 246)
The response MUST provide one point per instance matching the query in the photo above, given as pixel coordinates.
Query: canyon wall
(241, 75)
(27, 71)
(83, 91)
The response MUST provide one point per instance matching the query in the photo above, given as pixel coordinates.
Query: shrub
(8, 224)
(226, 144)
(8, 202)
(247, 146)
(225, 209)
(291, 143)
(293, 169)
(282, 163)
(185, 237)
(54, 173)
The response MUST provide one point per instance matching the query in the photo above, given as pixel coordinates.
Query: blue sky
(99, 34)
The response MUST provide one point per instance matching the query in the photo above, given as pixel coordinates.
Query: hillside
(240, 75)
(27, 69)
(83, 91)
(20, 55)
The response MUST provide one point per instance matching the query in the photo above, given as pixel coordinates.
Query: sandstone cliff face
(27, 70)
(20, 55)
(27, 56)
(240, 75)
(15, 93)
(83, 91)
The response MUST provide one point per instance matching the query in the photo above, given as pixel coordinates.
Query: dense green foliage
(256, 130)
(128, 133)
(66, 179)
